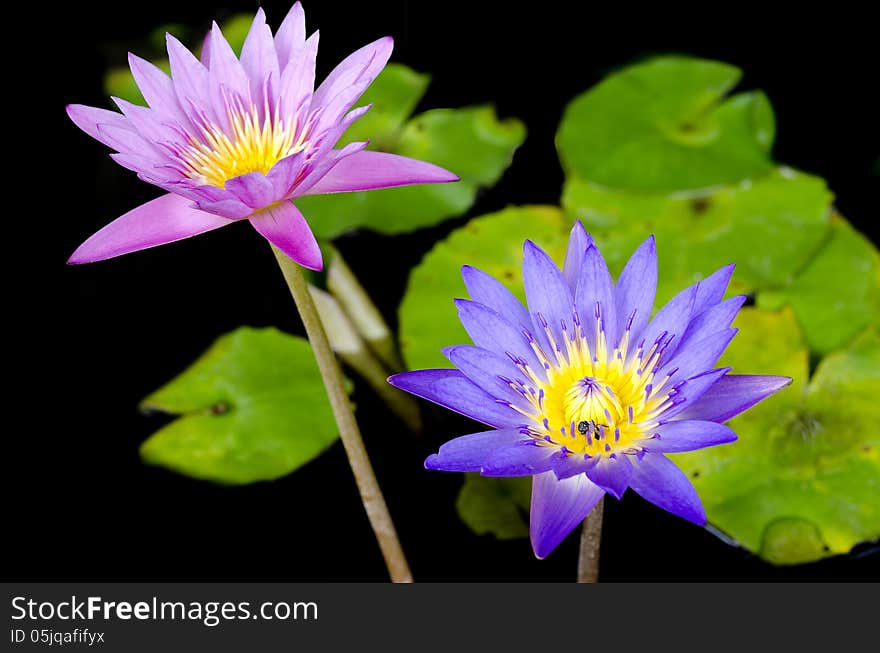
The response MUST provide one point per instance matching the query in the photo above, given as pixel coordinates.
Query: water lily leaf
(393, 95)
(493, 243)
(664, 125)
(252, 408)
(801, 482)
(470, 142)
(770, 227)
(499, 506)
(838, 294)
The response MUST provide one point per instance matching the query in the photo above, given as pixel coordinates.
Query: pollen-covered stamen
(248, 144)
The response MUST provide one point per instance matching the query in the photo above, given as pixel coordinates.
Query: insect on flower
(238, 139)
(585, 393)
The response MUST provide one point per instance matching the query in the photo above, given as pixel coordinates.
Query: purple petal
(712, 320)
(657, 479)
(636, 288)
(594, 287)
(286, 228)
(229, 207)
(700, 356)
(253, 189)
(578, 242)
(732, 395)
(125, 140)
(468, 453)
(320, 164)
(566, 465)
(370, 170)
(487, 369)
(298, 77)
(259, 59)
(671, 322)
(190, 78)
(687, 435)
(494, 332)
(450, 388)
(92, 119)
(360, 66)
(524, 458)
(558, 507)
(162, 220)
(612, 474)
(291, 34)
(284, 174)
(148, 124)
(548, 297)
(487, 290)
(225, 68)
(711, 289)
(157, 89)
(690, 390)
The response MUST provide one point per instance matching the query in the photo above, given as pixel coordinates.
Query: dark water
(79, 504)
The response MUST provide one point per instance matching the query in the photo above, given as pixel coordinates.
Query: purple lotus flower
(582, 391)
(234, 139)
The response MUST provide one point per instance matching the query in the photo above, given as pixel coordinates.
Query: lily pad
(770, 227)
(664, 125)
(493, 243)
(499, 506)
(470, 142)
(838, 294)
(251, 408)
(801, 482)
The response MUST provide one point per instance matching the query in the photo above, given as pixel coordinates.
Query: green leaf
(470, 142)
(769, 227)
(252, 408)
(493, 243)
(664, 125)
(499, 506)
(801, 482)
(838, 294)
(394, 95)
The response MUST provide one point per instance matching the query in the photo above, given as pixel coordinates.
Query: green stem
(371, 494)
(591, 538)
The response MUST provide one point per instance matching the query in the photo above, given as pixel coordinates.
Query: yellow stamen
(251, 147)
(600, 401)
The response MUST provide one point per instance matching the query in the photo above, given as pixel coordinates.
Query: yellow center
(251, 146)
(595, 401)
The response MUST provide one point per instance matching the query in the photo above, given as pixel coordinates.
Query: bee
(589, 426)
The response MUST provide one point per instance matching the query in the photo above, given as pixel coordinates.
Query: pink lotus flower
(239, 139)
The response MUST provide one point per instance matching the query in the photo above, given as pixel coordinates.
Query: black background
(87, 343)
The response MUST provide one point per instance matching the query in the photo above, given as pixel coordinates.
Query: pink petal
(157, 88)
(284, 174)
(369, 170)
(298, 78)
(225, 67)
(90, 119)
(259, 58)
(291, 34)
(189, 75)
(361, 65)
(162, 220)
(286, 228)
(253, 189)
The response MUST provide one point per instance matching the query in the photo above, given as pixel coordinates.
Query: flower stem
(591, 537)
(371, 494)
